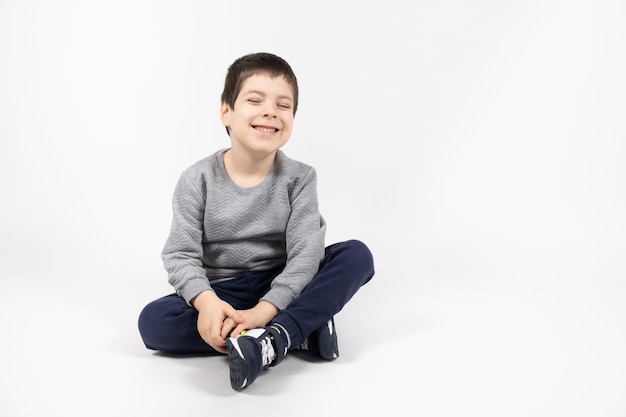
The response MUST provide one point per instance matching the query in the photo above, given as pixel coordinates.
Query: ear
(225, 114)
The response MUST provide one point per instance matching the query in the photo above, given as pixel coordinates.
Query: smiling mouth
(265, 129)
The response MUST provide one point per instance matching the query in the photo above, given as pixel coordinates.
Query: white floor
(493, 340)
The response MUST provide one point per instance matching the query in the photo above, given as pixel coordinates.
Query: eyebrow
(263, 94)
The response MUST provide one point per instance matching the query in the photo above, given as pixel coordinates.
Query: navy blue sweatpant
(169, 324)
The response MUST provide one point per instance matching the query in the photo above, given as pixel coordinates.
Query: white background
(477, 147)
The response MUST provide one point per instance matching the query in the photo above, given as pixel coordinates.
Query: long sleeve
(183, 251)
(304, 243)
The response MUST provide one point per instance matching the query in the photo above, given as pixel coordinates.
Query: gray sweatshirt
(220, 230)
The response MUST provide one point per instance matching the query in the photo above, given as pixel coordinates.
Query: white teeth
(265, 129)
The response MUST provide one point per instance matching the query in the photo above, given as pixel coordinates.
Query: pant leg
(169, 324)
(345, 268)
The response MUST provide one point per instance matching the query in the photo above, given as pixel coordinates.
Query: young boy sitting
(246, 253)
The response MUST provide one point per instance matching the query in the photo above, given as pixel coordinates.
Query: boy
(245, 253)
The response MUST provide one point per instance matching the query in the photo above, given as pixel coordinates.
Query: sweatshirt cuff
(280, 296)
(193, 288)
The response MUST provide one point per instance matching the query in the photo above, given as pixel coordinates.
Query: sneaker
(253, 351)
(323, 342)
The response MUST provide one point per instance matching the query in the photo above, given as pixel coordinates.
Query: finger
(237, 330)
(216, 332)
(221, 349)
(234, 314)
(227, 327)
(218, 344)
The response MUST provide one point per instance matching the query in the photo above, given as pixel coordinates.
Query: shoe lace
(268, 354)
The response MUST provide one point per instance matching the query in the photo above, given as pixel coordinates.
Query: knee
(147, 323)
(361, 254)
(357, 247)
(153, 319)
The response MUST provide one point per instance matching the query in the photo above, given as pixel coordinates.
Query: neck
(247, 171)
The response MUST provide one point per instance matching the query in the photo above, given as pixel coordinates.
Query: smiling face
(261, 120)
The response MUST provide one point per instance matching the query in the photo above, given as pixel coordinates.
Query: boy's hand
(215, 318)
(258, 316)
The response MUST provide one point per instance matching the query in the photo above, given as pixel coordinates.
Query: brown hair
(257, 63)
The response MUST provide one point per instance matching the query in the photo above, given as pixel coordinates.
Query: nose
(269, 111)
